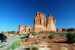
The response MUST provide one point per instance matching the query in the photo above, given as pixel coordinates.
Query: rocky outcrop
(42, 24)
(51, 24)
(25, 29)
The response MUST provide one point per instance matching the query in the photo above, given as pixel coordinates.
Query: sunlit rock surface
(51, 24)
(25, 29)
(40, 22)
(43, 24)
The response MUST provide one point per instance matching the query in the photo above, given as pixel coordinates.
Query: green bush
(27, 36)
(34, 33)
(70, 37)
(23, 37)
(32, 47)
(51, 36)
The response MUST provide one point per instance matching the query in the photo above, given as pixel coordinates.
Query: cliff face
(51, 24)
(42, 24)
(25, 29)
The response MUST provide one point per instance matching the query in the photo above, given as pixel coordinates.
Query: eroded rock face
(25, 29)
(51, 24)
(42, 24)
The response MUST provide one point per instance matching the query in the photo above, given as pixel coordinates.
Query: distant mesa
(66, 29)
(41, 24)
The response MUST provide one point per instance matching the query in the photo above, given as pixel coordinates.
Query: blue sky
(22, 12)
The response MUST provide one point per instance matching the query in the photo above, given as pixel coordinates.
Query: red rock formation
(40, 23)
(51, 24)
(25, 29)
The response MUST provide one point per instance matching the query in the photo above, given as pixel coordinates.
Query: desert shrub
(62, 35)
(27, 35)
(70, 37)
(34, 33)
(52, 36)
(32, 47)
(15, 45)
(23, 37)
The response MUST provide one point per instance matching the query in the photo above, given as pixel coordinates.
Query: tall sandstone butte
(51, 24)
(41, 24)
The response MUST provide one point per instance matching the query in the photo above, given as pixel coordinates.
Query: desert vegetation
(70, 37)
(55, 39)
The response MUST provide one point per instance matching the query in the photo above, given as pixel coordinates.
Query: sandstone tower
(42, 24)
(51, 24)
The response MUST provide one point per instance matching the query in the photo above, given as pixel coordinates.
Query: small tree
(70, 37)
(3, 37)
